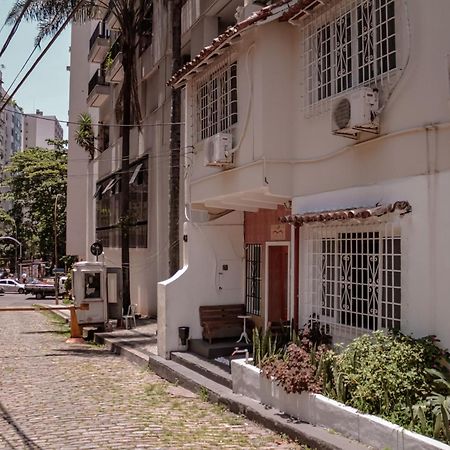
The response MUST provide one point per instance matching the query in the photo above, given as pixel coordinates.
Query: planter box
(319, 410)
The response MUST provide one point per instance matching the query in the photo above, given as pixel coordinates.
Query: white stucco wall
(425, 244)
(202, 280)
(80, 228)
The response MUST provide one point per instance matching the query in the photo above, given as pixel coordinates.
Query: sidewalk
(139, 345)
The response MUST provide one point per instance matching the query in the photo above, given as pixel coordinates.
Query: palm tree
(50, 15)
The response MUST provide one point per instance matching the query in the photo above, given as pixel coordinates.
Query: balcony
(99, 43)
(190, 12)
(111, 19)
(113, 64)
(98, 89)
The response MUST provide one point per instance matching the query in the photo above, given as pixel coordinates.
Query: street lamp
(17, 242)
(56, 229)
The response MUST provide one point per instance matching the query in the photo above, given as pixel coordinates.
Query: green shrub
(264, 346)
(299, 367)
(384, 374)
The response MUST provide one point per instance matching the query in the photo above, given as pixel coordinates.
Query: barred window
(253, 279)
(353, 281)
(351, 44)
(217, 100)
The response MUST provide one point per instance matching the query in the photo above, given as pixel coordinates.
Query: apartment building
(11, 119)
(14, 121)
(95, 182)
(319, 162)
(38, 128)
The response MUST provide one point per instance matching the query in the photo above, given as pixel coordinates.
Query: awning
(110, 185)
(135, 173)
(97, 191)
(403, 207)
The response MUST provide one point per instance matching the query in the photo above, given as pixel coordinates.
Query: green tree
(131, 15)
(35, 177)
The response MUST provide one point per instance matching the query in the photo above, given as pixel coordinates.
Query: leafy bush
(298, 369)
(384, 374)
(397, 377)
(264, 346)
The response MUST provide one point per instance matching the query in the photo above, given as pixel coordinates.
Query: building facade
(319, 166)
(38, 128)
(95, 180)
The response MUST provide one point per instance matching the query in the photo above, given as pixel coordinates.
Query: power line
(100, 124)
(15, 27)
(41, 55)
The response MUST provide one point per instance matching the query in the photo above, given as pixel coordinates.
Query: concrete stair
(204, 367)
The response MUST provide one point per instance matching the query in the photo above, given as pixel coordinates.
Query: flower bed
(323, 411)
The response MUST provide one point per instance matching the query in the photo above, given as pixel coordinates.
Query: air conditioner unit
(355, 112)
(218, 150)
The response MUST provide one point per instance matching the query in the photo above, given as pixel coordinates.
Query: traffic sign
(97, 248)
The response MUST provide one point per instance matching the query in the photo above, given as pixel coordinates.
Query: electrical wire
(3, 103)
(15, 27)
(100, 124)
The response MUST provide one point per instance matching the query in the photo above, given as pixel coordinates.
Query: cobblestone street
(59, 396)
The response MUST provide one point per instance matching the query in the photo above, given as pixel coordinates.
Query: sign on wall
(278, 232)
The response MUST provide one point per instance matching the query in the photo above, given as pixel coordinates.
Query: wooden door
(277, 279)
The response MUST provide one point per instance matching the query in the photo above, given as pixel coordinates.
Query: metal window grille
(349, 44)
(253, 279)
(217, 100)
(351, 278)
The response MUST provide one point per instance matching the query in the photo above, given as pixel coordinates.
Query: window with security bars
(352, 43)
(217, 100)
(253, 279)
(352, 280)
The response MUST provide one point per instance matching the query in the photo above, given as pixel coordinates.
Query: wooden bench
(221, 321)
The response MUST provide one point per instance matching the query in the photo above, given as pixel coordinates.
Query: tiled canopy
(345, 214)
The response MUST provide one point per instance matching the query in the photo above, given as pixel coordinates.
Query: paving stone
(60, 396)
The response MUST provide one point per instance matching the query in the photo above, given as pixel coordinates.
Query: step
(204, 367)
(217, 349)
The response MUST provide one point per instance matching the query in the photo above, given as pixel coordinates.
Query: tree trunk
(175, 143)
(127, 55)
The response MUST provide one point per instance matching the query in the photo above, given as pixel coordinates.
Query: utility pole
(56, 248)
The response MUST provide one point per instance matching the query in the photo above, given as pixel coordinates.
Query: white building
(37, 128)
(94, 184)
(331, 195)
(11, 119)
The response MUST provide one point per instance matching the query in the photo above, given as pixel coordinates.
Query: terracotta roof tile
(293, 8)
(346, 214)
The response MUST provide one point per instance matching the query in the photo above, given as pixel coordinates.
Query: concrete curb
(315, 437)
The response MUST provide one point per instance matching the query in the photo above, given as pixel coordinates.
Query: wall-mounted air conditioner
(355, 112)
(218, 150)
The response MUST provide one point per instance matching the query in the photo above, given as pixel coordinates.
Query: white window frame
(216, 99)
(386, 289)
(338, 82)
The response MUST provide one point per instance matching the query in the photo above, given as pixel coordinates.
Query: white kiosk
(89, 286)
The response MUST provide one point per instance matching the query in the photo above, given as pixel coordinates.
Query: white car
(10, 285)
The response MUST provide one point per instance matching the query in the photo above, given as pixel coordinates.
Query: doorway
(277, 281)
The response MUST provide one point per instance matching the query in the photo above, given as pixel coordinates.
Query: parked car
(39, 289)
(10, 285)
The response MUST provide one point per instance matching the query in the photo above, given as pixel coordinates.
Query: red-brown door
(278, 265)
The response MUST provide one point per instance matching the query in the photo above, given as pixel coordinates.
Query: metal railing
(99, 32)
(97, 79)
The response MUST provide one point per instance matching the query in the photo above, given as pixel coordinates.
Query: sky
(47, 88)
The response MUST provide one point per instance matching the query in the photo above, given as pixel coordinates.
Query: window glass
(92, 285)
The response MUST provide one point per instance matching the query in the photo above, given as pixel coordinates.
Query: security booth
(89, 286)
